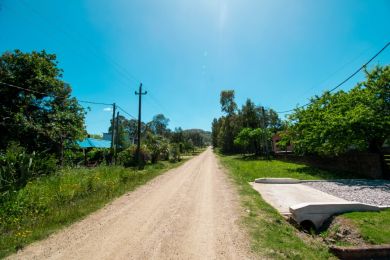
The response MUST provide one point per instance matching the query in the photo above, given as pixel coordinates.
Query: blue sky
(278, 53)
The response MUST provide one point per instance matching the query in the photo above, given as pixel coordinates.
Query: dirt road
(190, 212)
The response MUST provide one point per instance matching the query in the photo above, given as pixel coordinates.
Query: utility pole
(265, 141)
(116, 137)
(112, 131)
(140, 93)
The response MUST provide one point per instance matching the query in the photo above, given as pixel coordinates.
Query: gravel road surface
(374, 192)
(191, 212)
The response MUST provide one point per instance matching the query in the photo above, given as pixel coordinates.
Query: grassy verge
(373, 226)
(369, 228)
(271, 235)
(52, 202)
(252, 169)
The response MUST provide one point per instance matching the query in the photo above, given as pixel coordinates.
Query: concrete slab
(318, 213)
(277, 180)
(283, 196)
(304, 203)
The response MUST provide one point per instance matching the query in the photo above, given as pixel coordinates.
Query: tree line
(332, 124)
(246, 130)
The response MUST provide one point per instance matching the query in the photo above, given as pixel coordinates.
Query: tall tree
(229, 126)
(159, 125)
(41, 114)
(228, 105)
(249, 115)
(215, 126)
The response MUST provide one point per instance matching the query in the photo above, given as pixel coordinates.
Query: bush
(17, 166)
(73, 157)
(96, 155)
(175, 152)
(128, 157)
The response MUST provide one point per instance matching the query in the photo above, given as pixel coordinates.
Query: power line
(127, 113)
(94, 103)
(339, 69)
(116, 66)
(345, 80)
(51, 95)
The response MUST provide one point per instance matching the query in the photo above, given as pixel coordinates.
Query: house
(94, 143)
(276, 149)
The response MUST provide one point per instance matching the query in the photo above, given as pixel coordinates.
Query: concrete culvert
(308, 226)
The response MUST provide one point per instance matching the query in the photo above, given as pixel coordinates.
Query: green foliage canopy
(43, 117)
(355, 120)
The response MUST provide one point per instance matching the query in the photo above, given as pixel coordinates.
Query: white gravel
(374, 192)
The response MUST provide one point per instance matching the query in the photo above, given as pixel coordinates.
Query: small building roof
(94, 143)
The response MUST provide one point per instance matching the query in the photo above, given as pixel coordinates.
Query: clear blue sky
(278, 53)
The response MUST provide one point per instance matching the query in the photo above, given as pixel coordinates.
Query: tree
(229, 125)
(215, 127)
(249, 115)
(157, 145)
(273, 121)
(41, 114)
(335, 123)
(177, 136)
(244, 139)
(159, 125)
(253, 140)
(228, 105)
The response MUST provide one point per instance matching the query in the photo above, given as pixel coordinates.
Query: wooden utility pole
(116, 138)
(139, 93)
(112, 131)
(265, 140)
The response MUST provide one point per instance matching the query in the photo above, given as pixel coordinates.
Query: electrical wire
(127, 113)
(344, 81)
(116, 66)
(51, 95)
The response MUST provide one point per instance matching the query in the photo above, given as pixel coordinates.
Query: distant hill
(206, 135)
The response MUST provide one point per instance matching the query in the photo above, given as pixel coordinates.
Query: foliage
(44, 118)
(158, 147)
(175, 152)
(127, 130)
(333, 124)
(197, 137)
(215, 128)
(159, 125)
(243, 139)
(97, 155)
(128, 157)
(17, 166)
(228, 105)
(231, 132)
(51, 202)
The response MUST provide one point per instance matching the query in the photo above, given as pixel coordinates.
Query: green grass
(49, 203)
(251, 169)
(271, 235)
(373, 226)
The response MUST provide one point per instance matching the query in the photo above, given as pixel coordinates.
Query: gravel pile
(374, 192)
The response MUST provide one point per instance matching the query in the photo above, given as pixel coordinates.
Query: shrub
(175, 152)
(17, 166)
(73, 157)
(128, 157)
(158, 147)
(96, 155)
